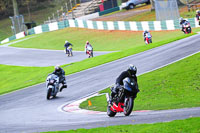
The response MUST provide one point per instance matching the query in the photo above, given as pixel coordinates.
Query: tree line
(7, 7)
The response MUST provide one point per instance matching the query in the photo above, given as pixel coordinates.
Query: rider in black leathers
(131, 73)
(67, 44)
(61, 74)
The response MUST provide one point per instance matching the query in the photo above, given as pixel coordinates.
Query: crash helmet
(197, 11)
(146, 31)
(87, 42)
(57, 67)
(132, 69)
(66, 41)
(180, 19)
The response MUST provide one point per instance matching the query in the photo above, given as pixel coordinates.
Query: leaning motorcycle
(187, 28)
(68, 51)
(123, 101)
(52, 84)
(148, 38)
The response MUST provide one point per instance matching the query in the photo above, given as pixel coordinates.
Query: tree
(15, 8)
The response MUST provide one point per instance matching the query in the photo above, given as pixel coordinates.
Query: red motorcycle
(90, 51)
(148, 38)
(123, 101)
(186, 27)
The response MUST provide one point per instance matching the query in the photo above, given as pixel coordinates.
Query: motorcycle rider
(198, 15)
(67, 44)
(87, 45)
(145, 33)
(182, 21)
(130, 73)
(61, 74)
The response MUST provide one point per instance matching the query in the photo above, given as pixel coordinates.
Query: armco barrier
(106, 25)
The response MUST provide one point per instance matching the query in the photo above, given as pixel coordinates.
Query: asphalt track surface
(39, 57)
(29, 111)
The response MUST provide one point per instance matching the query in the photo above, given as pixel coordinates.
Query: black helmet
(132, 69)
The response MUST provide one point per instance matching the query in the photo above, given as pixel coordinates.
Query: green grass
(171, 87)
(17, 77)
(41, 72)
(101, 40)
(190, 125)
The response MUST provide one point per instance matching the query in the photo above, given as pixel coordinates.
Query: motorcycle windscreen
(128, 87)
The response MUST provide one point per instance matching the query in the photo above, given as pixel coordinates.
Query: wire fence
(166, 10)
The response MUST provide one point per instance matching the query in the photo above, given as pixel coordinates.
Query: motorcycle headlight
(51, 81)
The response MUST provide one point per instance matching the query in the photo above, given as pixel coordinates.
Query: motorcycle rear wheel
(49, 93)
(110, 112)
(128, 106)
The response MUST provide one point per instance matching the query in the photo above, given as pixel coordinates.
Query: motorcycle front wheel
(49, 93)
(110, 112)
(128, 106)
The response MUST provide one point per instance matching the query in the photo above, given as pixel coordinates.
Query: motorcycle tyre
(110, 112)
(150, 40)
(130, 108)
(189, 30)
(49, 93)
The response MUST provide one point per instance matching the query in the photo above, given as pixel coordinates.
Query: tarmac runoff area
(40, 57)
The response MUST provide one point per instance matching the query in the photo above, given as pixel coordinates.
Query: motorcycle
(52, 84)
(148, 38)
(90, 51)
(68, 51)
(186, 27)
(123, 101)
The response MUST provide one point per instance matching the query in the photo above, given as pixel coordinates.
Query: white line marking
(5, 45)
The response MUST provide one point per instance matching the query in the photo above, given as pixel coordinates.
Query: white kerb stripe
(71, 23)
(53, 26)
(110, 25)
(170, 24)
(38, 29)
(5, 40)
(80, 23)
(145, 26)
(100, 25)
(90, 24)
(20, 35)
(133, 26)
(196, 22)
(157, 25)
(121, 25)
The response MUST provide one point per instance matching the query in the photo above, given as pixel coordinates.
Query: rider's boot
(64, 86)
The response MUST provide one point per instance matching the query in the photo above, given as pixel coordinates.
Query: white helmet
(57, 67)
(66, 41)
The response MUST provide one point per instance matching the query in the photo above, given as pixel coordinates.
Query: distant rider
(67, 44)
(61, 74)
(145, 33)
(87, 46)
(198, 15)
(182, 21)
(130, 73)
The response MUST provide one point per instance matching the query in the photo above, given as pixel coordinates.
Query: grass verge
(38, 74)
(190, 125)
(102, 40)
(171, 87)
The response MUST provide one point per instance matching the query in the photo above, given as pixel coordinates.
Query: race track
(39, 57)
(29, 111)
